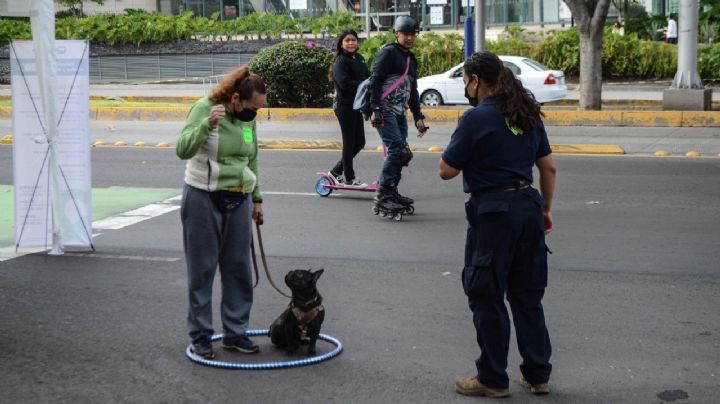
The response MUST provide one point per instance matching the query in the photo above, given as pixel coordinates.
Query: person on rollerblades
(393, 90)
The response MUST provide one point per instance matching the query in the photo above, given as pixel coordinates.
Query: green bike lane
(106, 202)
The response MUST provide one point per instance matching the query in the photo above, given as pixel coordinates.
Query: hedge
(296, 74)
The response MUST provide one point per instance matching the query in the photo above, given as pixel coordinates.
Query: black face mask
(246, 115)
(473, 100)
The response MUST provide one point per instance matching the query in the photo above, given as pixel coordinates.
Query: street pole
(479, 25)
(687, 75)
(686, 92)
(367, 19)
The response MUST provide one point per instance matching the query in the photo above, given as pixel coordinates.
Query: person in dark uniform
(393, 89)
(495, 145)
(348, 70)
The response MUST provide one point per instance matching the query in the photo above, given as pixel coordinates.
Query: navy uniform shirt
(489, 154)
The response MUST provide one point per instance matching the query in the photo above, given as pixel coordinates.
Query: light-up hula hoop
(266, 365)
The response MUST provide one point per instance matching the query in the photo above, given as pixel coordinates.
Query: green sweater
(221, 159)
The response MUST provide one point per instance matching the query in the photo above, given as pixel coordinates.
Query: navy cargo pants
(505, 254)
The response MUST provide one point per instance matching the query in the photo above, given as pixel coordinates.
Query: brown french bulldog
(300, 323)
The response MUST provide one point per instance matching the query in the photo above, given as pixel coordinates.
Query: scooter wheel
(323, 186)
(398, 217)
(409, 209)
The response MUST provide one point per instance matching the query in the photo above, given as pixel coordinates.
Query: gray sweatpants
(213, 239)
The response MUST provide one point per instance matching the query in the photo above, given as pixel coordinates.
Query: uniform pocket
(479, 279)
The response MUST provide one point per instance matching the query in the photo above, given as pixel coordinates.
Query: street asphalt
(632, 304)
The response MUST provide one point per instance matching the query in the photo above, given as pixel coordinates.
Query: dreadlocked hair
(240, 81)
(518, 105)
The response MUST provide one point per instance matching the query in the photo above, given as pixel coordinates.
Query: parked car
(448, 88)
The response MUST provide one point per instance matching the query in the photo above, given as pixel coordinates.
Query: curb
(439, 116)
(333, 145)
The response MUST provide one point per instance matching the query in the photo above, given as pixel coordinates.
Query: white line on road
(289, 193)
(122, 257)
(137, 215)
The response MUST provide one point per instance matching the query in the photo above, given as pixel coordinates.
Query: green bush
(561, 51)
(514, 47)
(437, 53)
(13, 29)
(296, 74)
(369, 48)
(709, 63)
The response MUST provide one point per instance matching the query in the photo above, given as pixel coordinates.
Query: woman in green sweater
(220, 197)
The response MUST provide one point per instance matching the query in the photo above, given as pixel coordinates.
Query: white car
(448, 88)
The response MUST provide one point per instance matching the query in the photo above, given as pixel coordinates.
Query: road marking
(137, 215)
(122, 257)
(289, 193)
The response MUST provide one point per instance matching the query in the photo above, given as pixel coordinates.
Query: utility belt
(512, 188)
(229, 200)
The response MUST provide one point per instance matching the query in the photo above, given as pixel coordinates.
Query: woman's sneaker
(241, 343)
(356, 183)
(337, 178)
(203, 348)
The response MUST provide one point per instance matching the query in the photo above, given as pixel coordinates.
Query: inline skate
(388, 204)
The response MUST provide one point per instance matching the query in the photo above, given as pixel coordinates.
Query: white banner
(437, 15)
(298, 5)
(31, 154)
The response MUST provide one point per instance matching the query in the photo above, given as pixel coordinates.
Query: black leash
(264, 261)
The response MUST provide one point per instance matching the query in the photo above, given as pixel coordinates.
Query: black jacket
(392, 61)
(348, 72)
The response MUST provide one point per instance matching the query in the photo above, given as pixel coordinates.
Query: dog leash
(264, 261)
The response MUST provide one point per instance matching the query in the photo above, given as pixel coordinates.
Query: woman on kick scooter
(347, 72)
(392, 91)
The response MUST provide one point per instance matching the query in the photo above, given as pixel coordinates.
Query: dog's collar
(308, 304)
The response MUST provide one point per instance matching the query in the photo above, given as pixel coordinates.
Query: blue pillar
(469, 37)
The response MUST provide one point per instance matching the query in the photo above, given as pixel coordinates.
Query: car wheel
(431, 98)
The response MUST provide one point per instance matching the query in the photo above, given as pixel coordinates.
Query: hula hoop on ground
(266, 365)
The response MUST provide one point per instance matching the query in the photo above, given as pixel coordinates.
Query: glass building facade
(430, 13)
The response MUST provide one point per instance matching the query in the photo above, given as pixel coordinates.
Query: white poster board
(436, 2)
(437, 15)
(298, 4)
(34, 222)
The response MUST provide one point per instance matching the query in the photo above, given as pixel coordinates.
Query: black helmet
(405, 23)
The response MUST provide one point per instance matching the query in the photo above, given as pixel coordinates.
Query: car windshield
(535, 65)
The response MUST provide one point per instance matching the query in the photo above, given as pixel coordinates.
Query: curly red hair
(240, 81)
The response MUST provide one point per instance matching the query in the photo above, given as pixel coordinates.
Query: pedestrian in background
(671, 32)
(393, 90)
(221, 197)
(348, 70)
(495, 145)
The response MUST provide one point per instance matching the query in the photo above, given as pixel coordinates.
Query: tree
(590, 16)
(76, 6)
(709, 16)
